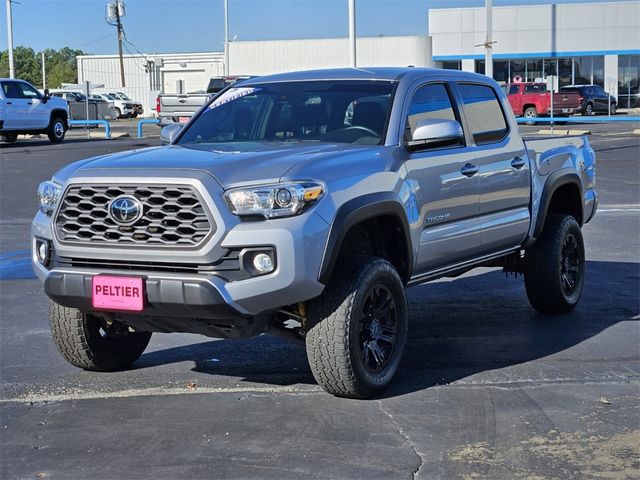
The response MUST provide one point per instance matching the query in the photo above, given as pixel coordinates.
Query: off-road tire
(81, 340)
(334, 342)
(57, 129)
(546, 262)
(9, 137)
(530, 112)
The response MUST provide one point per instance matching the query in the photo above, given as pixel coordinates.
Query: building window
(534, 70)
(480, 66)
(628, 80)
(598, 71)
(452, 65)
(501, 71)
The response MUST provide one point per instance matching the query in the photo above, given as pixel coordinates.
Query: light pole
(488, 53)
(226, 37)
(352, 32)
(44, 73)
(12, 70)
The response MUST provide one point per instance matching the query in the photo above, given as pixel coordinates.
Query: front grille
(172, 216)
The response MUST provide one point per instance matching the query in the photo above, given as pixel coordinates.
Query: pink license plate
(117, 293)
(183, 119)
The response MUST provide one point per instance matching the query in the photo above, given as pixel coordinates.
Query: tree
(60, 65)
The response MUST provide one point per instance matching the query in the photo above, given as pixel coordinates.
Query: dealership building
(577, 43)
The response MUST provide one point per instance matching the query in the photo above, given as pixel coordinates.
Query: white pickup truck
(26, 111)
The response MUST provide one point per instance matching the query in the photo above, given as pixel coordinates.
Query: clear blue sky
(166, 26)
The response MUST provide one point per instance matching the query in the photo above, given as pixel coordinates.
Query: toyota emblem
(125, 210)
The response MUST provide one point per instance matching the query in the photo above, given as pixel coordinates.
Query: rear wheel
(57, 130)
(9, 137)
(359, 328)
(118, 113)
(555, 266)
(531, 112)
(588, 109)
(89, 342)
(613, 109)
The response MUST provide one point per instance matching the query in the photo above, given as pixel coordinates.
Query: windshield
(122, 96)
(321, 111)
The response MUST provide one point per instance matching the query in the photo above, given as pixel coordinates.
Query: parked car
(136, 105)
(531, 100)
(26, 111)
(593, 99)
(122, 108)
(274, 211)
(180, 107)
(98, 108)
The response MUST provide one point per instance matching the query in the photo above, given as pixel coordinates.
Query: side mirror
(435, 132)
(169, 133)
(46, 96)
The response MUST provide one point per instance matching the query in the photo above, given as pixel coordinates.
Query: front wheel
(588, 110)
(89, 342)
(613, 109)
(359, 328)
(57, 129)
(555, 266)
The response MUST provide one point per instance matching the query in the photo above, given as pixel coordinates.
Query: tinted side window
(11, 90)
(429, 102)
(483, 112)
(514, 89)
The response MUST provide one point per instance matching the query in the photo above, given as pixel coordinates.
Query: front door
(445, 186)
(37, 113)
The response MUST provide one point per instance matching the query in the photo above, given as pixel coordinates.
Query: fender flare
(557, 179)
(356, 211)
(59, 111)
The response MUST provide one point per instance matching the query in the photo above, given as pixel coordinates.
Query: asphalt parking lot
(488, 389)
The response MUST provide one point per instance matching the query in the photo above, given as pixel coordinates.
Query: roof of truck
(374, 73)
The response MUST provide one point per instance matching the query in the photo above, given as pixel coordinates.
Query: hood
(241, 164)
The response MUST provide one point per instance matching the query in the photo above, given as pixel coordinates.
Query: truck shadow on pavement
(458, 329)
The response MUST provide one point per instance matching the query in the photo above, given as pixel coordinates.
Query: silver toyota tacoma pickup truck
(302, 205)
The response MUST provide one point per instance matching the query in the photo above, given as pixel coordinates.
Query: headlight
(271, 201)
(49, 193)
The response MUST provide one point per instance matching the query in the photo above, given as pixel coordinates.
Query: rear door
(503, 169)
(447, 198)
(15, 105)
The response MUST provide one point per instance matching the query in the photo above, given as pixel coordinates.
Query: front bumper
(298, 242)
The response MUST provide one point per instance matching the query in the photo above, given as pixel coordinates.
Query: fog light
(42, 251)
(263, 263)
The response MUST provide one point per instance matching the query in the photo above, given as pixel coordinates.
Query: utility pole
(119, 27)
(226, 37)
(352, 32)
(44, 73)
(12, 70)
(115, 10)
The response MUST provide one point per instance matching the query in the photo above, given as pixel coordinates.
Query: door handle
(469, 170)
(517, 163)
(29, 103)
(9, 103)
